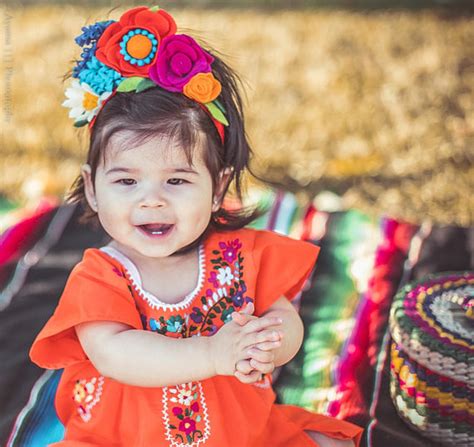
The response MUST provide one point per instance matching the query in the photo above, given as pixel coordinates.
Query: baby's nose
(153, 198)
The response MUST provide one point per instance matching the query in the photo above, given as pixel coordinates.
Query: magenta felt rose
(179, 58)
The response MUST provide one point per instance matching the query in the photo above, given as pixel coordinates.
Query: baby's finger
(240, 318)
(261, 337)
(243, 366)
(262, 323)
(253, 377)
(268, 345)
(248, 309)
(264, 368)
(261, 356)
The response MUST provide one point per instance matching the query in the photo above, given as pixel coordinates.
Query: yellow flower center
(90, 101)
(139, 46)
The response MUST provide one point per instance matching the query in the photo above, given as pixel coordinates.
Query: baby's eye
(177, 181)
(126, 181)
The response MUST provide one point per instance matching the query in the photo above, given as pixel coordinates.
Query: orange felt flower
(126, 52)
(203, 88)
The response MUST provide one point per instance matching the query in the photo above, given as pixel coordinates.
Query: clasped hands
(244, 347)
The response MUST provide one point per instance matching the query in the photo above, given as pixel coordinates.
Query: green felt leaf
(130, 84)
(154, 8)
(80, 123)
(216, 113)
(219, 104)
(145, 85)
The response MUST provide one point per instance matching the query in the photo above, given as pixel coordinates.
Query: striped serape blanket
(342, 367)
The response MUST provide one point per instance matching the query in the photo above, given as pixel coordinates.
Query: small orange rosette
(152, 26)
(203, 88)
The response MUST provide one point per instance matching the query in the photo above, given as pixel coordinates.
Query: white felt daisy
(83, 102)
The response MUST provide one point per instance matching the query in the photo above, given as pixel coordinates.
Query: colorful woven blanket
(342, 368)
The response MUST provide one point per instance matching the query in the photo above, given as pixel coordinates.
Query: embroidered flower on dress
(197, 316)
(238, 299)
(213, 279)
(225, 276)
(185, 393)
(86, 394)
(174, 324)
(229, 250)
(187, 425)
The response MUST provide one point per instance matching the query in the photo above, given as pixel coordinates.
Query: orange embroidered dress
(235, 268)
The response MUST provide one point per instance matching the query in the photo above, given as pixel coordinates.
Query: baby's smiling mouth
(156, 229)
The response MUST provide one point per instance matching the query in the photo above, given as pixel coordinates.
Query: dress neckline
(153, 301)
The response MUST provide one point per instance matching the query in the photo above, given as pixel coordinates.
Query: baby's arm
(291, 327)
(145, 358)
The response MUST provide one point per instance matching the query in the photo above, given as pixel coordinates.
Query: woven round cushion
(432, 357)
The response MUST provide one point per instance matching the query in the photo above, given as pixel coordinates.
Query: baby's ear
(86, 173)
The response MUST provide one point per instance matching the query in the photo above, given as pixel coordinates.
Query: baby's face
(149, 200)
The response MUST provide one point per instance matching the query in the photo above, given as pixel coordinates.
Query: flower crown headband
(140, 51)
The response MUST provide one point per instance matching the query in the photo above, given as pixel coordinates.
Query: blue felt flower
(99, 77)
(88, 40)
(92, 32)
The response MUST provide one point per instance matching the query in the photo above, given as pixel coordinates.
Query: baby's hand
(232, 342)
(261, 355)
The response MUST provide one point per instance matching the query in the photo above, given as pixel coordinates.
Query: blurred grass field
(377, 107)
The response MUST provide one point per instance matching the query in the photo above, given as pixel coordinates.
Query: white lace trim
(135, 278)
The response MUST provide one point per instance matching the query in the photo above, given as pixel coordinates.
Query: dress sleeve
(282, 264)
(96, 290)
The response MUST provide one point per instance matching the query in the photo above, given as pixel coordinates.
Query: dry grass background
(377, 107)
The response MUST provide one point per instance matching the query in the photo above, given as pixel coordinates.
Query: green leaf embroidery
(216, 252)
(172, 427)
(216, 113)
(203, 300)
(222, 304)
(129, 84)
(211, 315)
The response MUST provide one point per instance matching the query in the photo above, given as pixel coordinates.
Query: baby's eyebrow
(185, 170)
(127, 170)
(132, 171)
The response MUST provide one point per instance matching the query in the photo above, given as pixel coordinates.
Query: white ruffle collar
(135, 278)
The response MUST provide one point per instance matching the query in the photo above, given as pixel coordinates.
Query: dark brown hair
(157, 112)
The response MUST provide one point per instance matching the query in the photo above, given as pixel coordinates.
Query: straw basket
(432, 357)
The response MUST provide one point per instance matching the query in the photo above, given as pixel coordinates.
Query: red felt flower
(159, 23)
